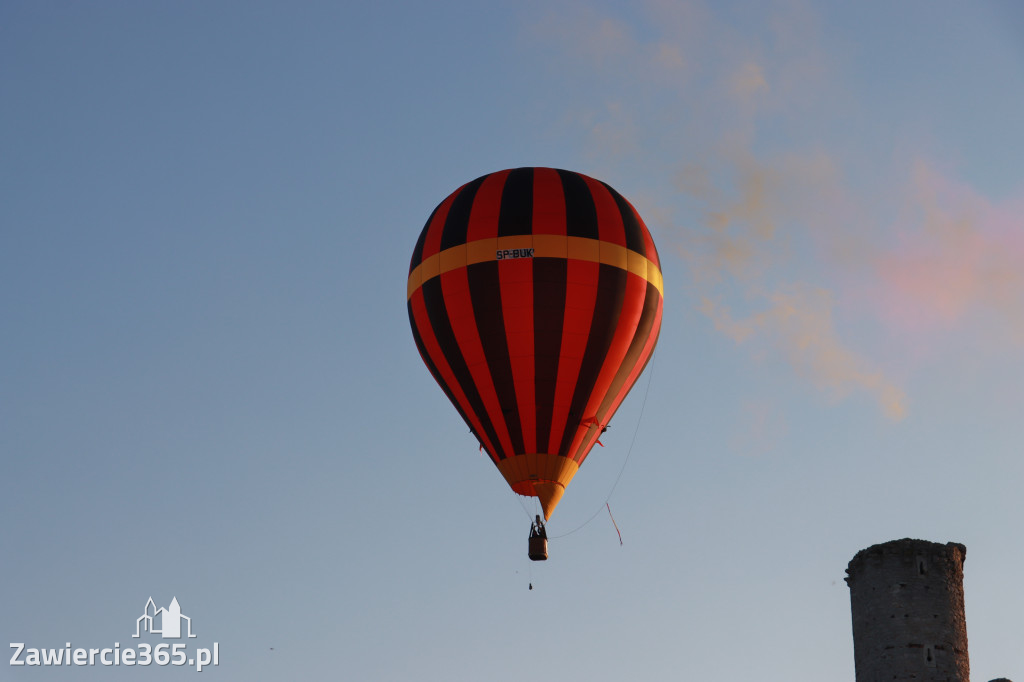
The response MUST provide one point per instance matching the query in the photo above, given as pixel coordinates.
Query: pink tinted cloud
(958, 260)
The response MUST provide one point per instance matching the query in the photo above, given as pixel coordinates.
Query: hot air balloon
(535, 299)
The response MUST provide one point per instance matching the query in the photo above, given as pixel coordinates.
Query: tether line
(607, 499)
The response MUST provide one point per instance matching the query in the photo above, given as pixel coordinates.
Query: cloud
(797, 321)
(743, 250)
(742, 212)
(799, 245)
(957, 261)
(686, 94)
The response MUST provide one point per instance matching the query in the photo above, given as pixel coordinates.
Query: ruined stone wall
(907, 600)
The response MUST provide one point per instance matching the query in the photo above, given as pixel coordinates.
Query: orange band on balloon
(535, 246)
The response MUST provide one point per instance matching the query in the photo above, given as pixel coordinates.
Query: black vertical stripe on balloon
(634, 231)
(433, 297)
(650, 355)
(417, 253)
(456, 223)
(611, 288)
(653, 337)
(516, 215)
(580, 211)
(485, 292)
(634, 352)
(549, 275)
(436, 373)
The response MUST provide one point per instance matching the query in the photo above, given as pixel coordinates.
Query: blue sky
(209, 389)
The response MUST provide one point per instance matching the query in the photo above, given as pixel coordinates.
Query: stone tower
(907, 599)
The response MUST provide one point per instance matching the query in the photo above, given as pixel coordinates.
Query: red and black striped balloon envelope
(535, 298)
